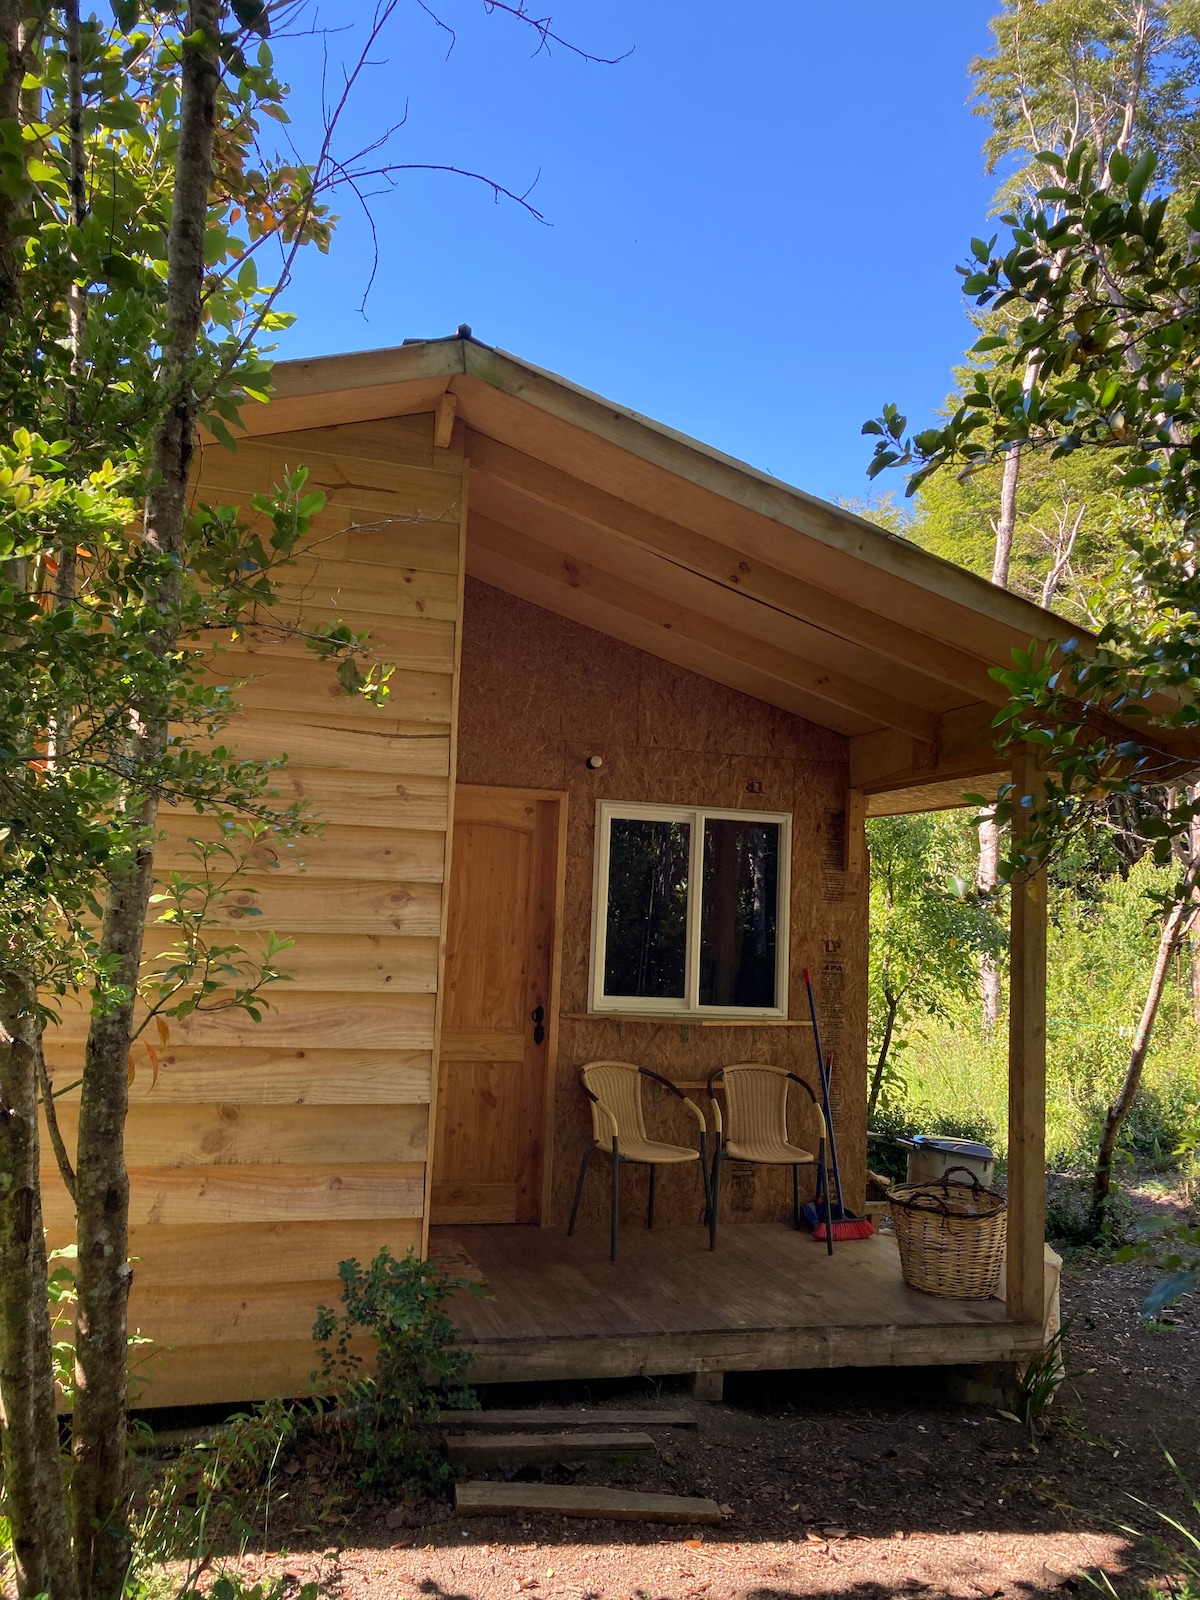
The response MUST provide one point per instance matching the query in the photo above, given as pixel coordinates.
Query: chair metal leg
(796, 1198)
(650, 1198)
(828, 1201)
(583, 1166)
(616, 1184)
(714, 1189)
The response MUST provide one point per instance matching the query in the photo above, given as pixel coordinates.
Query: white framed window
(690, 911)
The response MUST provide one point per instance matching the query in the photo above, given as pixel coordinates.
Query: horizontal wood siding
(262, 1154)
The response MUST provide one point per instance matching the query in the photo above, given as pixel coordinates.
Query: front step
(494, 1449)
(577, 1500)
(562, 1417)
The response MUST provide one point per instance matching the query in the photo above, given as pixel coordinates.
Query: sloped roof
(613, 520)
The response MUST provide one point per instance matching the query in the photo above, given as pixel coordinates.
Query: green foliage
(1101, 940)
(418, 1367)
(232, 1586)
(1071, 1222)
(1175, 1251)
(1061, 70)
(1101, 287)
(1039, 1382)
(1059, 504)
(219, 1492)
(929, 928)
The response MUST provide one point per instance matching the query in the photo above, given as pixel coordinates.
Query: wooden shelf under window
(685, 1021)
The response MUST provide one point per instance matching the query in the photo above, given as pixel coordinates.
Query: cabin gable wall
(539, 695)
(262, 1154)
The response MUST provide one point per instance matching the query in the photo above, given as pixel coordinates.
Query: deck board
(767, 1297)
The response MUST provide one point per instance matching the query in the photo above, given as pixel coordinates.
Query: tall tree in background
(1064, 73)
(1099, 285)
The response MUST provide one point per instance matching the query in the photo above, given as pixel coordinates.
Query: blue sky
(752, 222)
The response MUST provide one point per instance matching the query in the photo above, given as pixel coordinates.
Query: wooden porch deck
(768, 1299)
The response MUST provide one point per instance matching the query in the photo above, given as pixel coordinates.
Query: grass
(956, 1083)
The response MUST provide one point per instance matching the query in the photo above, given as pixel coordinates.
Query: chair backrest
(755, 1102)
(617, 1085)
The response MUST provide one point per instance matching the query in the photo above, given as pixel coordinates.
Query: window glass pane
(739, 913)
(646, 942)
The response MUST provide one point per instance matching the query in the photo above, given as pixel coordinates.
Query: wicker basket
(951, 1235)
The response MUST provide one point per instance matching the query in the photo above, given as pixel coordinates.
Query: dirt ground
(852, 1483)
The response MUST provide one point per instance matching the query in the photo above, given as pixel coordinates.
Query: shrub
(418, 1367)
(1069, 1221)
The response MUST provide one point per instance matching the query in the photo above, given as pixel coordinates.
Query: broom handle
(825, 1076)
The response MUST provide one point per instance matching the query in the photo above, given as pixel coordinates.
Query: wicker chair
(754, 1128)
(619, 1129)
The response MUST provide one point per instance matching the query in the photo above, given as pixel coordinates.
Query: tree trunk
(102, 1185)
(987, 878)
(33, 1485)
(1173, 931)
(988, 875)
(889, 1027)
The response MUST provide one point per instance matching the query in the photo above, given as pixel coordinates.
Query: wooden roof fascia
(594, 600)
(674, 473)
(358, 387)
(681, 478)
(721, 564)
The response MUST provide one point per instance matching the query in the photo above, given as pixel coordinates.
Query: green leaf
(1170, 1289)
(121, 114)
(1140, 174)
(253, 14)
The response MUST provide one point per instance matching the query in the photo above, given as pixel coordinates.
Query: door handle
(538, 1016)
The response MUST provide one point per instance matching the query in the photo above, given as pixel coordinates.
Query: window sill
(685, 1018)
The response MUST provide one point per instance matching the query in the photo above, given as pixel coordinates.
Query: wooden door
(498, 1008)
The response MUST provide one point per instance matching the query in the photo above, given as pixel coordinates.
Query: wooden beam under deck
(767, 1299)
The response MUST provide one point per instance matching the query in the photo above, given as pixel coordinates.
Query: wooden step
(563, 1417)
(575, 1500)
(486, 1449)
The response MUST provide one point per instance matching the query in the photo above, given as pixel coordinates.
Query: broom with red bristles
(844, 1224)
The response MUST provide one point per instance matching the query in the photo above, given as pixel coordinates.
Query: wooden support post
(708, 1386)
(1027, 1076)
(856, 832)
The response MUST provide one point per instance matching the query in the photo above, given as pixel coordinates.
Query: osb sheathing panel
(539, 696)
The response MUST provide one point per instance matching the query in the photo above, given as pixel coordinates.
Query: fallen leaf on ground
(527, 1583)
(1060, 1580)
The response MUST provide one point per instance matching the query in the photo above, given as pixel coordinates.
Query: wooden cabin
(594, 623)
